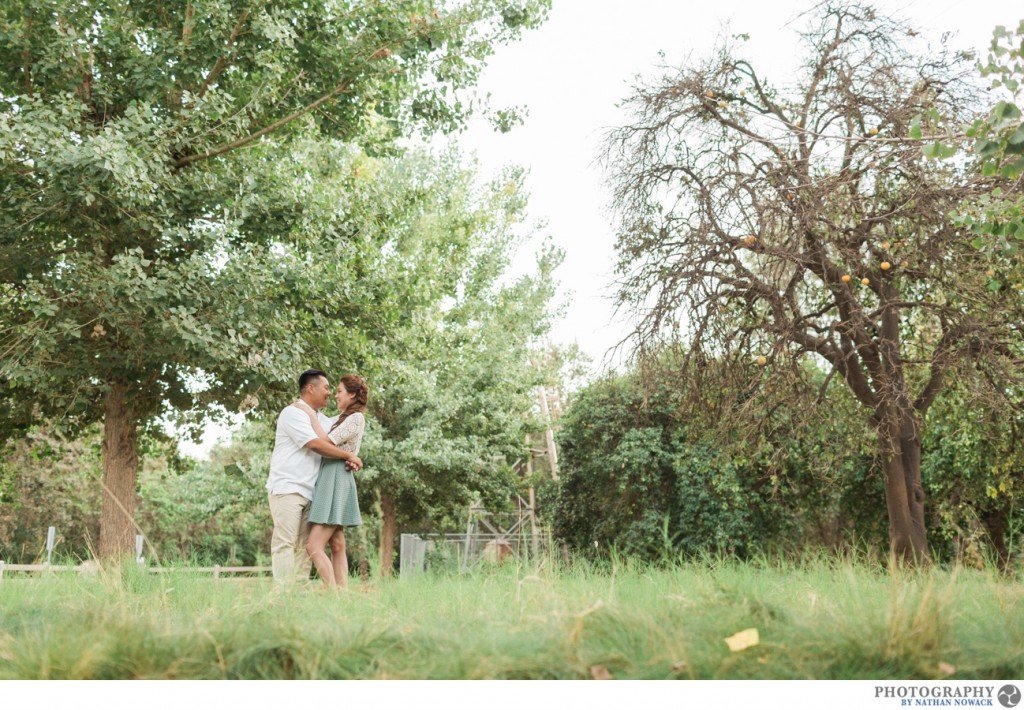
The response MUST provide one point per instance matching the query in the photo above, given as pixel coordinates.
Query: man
(294, 466)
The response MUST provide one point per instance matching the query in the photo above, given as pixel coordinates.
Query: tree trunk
(120, 465)
(900, 447)
(387, 535)
(995, 526)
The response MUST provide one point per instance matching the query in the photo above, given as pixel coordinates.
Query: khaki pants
(288, 557)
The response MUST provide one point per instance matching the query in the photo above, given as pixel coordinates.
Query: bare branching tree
(781, 224)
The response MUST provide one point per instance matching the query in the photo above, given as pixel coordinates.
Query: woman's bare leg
(318, 537)
(338, 557)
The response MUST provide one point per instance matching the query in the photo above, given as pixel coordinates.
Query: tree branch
(228, 147)
(222, 61)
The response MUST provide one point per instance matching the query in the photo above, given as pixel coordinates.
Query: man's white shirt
(293, 467)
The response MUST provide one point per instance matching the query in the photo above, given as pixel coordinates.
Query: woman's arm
(317, 428)
(331, 451)
(323, 444)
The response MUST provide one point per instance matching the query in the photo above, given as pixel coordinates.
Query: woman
(335, 504)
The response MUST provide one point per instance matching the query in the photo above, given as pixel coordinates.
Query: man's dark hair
(308, 376)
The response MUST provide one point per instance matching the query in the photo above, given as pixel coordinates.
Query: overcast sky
(572, 71)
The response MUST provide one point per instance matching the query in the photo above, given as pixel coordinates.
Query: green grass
(818, 619)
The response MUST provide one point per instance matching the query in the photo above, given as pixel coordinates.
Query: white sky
(572, 71)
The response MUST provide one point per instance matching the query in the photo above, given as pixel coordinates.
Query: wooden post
(1, 570)
(51, 539)
(388, 528)
(549, 433)
(533, 525)
(469, 536)
(216, 572)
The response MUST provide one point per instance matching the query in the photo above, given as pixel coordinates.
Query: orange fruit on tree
(885, 265)
(990, 272)
(762, 360)
(865, 280)
(846, 278)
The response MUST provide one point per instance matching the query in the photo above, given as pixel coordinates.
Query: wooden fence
(216, 570)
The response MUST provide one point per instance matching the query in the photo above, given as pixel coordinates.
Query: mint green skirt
(334, 498)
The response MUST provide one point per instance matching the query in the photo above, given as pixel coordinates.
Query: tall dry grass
(819, 618)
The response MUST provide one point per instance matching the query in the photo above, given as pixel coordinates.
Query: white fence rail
(216, 570)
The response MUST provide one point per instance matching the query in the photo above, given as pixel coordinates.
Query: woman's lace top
(349, 434)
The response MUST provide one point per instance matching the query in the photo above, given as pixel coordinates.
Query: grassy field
(826, 620)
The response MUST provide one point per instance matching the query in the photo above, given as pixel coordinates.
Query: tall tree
(800, 220)
(148, 243)
(458, 381)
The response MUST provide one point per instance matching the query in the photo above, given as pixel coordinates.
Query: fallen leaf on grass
(600, 673)
(743, 640)
(946, 668)
(679, 665)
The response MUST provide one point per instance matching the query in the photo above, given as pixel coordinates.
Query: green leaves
(451, 333)
(1016, 139)
(1005, 113)
(178, 173)
(998, 148)
(915, 128)
(939, 151)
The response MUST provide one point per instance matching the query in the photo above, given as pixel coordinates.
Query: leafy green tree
(977, 449)
(996, 219)
(786, 225)
(456, 380)
(212, 510)
(153, 243)
(446, 341)
(991, 146)
(999, 136)
(653, 467)
(47, 478)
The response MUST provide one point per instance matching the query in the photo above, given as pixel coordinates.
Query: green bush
(648, 473)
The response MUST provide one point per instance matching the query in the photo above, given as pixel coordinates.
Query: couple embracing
(311, 488)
